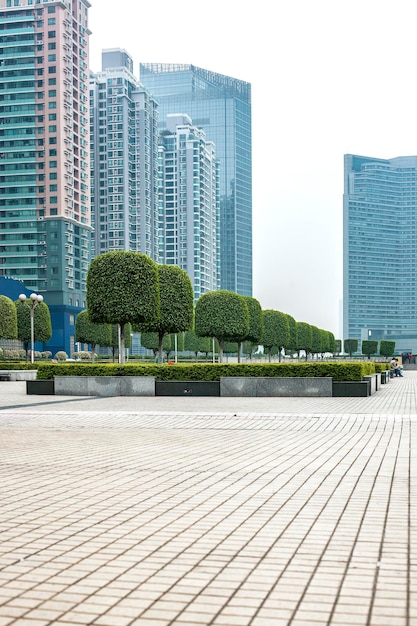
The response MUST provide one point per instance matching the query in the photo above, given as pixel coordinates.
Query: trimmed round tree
(292, 343)
(369, 347)
(276, 331)
(386, 347)
(304, 338)
(316, 344)
(223, 315)
(195, 344)
(176, 298)
(122, 288)
(350, 346)
(42, 326)
(8, 318)
(256, 323)
(87, 331)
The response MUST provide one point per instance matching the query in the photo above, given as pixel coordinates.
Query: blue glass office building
(221, 106)
(380, 250)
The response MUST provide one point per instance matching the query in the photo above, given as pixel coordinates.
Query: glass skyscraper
(221, 106)
(380, 250)
(189, 203)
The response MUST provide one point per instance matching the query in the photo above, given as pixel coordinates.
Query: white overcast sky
(328, 77)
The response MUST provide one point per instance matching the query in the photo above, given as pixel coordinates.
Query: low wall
(309, 387)
(104, 386)
(230, 386)
(19, 374)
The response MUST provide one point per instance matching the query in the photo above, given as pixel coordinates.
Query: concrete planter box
(287, 387)
(230, 386)
(351, 389)
(187, 388)
(19, 374)
(374, 381)
(104, 386)
(40, 387)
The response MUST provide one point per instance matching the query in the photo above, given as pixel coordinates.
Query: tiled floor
(293, 513)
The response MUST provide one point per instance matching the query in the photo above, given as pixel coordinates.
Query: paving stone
(198, 511)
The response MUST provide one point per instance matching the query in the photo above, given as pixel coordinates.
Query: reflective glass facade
(189, 203)
(380, 250)
(221, 106)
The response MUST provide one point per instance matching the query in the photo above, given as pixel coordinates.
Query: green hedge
(382, 367)
(17, 365)
(210, 371)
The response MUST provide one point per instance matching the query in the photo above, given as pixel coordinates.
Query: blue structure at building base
(62, 318)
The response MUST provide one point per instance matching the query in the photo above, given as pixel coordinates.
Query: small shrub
(61, 356)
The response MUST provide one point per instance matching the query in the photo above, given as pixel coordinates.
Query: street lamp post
(35, 300)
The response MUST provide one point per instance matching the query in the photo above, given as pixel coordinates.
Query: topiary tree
(222, 314)
(8, 318)
(256, 324)
(150, 341)
(369, 346)
(87, 331)
(316, 343)
(386, 348)
(304, 338)
(195, 344)
(176, 298)
(42, 326)
(350, 346)
(276, 332)
(122, 288)
(327, 341)
(292, 342)
(230, 347)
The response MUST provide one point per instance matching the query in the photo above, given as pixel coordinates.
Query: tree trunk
(121, 344)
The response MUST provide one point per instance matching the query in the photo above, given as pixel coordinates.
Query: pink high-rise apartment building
(45, 220)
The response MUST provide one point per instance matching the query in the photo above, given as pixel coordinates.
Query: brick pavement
(284, 512)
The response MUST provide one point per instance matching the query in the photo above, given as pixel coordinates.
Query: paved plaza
(209, 511)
